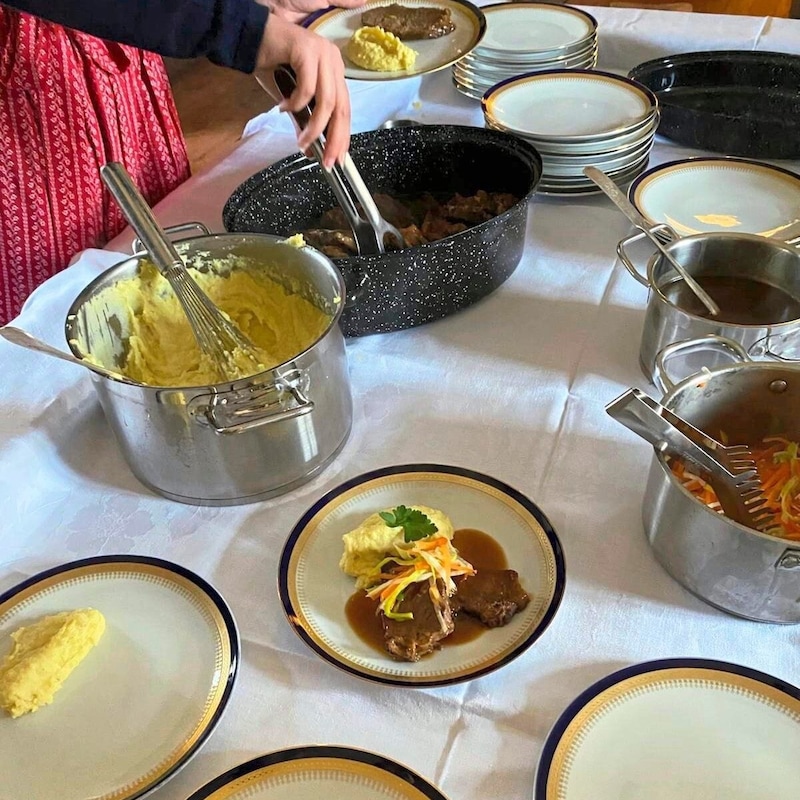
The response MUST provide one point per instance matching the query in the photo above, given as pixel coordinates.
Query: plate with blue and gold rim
(145, 698)
(676, 729)
(317, 596)
(719, 195)
(339, 24)
(308, 773)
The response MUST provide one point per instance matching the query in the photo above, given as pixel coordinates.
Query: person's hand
(298, 10)
(319, 68)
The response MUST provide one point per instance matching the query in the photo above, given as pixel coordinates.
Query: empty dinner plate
(523, 29)
(527, 37)
(339, 24)
(146, 696)
(569, 104)
(316, 594)
(313, 772)
(678, 729)
(734, 195)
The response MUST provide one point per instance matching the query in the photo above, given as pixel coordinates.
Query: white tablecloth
(514, 387)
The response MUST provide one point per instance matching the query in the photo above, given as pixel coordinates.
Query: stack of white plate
(526, 37)
(577, 118)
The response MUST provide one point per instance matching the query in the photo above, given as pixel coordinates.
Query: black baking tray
(736, 102)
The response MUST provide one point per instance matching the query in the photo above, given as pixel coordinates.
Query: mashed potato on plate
(367, 545)
(376, 49)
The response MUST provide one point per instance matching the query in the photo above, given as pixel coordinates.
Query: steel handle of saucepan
(622, 250)
(255, 405)
(666, 431)
(712, 342)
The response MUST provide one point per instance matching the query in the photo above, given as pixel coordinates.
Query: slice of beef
(478, 207)
(409, 640)
(331, 239)
(491, 595)
(410, 23)
(391, 210)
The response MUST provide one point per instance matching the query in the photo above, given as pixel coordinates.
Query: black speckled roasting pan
(399, 290)
(736, 102)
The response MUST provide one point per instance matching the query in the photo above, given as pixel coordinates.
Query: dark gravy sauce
(741, 300)
(477, 547)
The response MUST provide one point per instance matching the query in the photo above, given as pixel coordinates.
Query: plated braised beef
(421, 220)
(423, 584)
(410, 23)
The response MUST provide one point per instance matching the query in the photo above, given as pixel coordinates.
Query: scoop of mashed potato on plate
(368, 544)
(376, 49)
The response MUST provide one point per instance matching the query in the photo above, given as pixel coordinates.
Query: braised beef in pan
(421, 220)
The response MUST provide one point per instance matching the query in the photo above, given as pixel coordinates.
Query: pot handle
(718, 344)
(241, 410)
(622, 253)
(790, 559)
(138, 249)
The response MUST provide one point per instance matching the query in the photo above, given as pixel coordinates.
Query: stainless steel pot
(714, 255)
(234, 442)
(739, 570)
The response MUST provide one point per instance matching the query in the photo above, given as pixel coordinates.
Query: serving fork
(730, 469)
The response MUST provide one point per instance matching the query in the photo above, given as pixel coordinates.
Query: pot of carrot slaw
(754, 574)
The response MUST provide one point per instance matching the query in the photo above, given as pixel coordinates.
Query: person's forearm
(228, 32)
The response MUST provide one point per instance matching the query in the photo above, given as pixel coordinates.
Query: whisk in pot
(233, 354)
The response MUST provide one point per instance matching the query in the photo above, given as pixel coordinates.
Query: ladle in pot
(370, 230)
(23, 339)
(611, 190)
(730, 470)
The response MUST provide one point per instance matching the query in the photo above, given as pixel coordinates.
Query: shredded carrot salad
(430, 559)
(778, 464)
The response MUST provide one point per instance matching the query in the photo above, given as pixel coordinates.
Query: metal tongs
(731, 470)
(346, 182)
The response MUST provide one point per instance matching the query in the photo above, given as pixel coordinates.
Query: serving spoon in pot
(19, 337)
(613, 193)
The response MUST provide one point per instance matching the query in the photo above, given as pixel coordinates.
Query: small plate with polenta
(114, 671)
(393, 39)
(421, 575)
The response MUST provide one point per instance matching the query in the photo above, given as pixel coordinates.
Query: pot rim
(224, 386)
(685, 384)
(298, 161)
(752, 237)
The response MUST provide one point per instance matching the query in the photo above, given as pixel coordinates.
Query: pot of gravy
(755, 282)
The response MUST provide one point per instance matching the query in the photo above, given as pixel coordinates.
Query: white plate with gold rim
(314, 591)
(569, 105)
(677, 729)
(523, 29)
(144, 699)
(339, 24)
(315, 771)
(732, 195)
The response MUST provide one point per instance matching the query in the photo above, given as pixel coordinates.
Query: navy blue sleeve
(228, 32)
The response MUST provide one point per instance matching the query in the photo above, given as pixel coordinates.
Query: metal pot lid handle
(138, 248)
(790, 559)
(718, 344)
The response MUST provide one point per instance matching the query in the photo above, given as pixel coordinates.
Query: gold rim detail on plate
(186, 588)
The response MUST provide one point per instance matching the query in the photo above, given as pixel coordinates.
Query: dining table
(514, 387)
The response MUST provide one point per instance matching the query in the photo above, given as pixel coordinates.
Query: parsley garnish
(415, 524)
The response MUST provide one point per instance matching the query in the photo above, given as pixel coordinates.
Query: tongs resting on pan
(730, 470)
(346, 181)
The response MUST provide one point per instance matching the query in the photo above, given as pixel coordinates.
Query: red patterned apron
(68, 104)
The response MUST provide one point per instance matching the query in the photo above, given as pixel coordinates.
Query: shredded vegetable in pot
(778, 463)
(432, 559)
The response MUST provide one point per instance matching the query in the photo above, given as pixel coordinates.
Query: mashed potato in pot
(376, 49)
